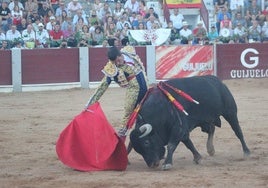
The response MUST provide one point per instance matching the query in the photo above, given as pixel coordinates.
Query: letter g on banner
(254, 59)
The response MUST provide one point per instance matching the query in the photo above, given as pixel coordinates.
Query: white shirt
(42, 36)
(186, 32)
(176, 20)
(2, 36)
(131, 7)
(28, 36)
(11, 36)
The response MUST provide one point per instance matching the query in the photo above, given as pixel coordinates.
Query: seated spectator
(30, 7)
(199, 33)
(80, 14)
(133, 19)
(79, 25)
(220, 17)
(73, 6)
(254, 32)
(152, 22)
(239, 19)
(83, 43)
(237, 6)
(107, 23)
(141, 26)
(240, 33)
(142, 8)
(150, 13)
(2, 35)
(93, 27)
(54, 4)
(226, 33)
(85, 34)
(64, 44)
(226, 22)
(22, 26)
(97, 36)
(41, 36)
(219, 4)
(28, 37)
(118, 10)
(253, 9)
(186, 34)
(50, 25)
(112, 33)
(176, 19)
(36, 23)
(16, 15)
(265, 32)
(93, 18)
(97, 6)
(65, 24)
(131, 6)
(105, 11)
(14, 3)
(56, 35)
(124, 34)
(174, 34)
(5, 16)
(61, 13)
(13, 34)
(4, 45)
(213, 34)
(43, 12)
(122, 21)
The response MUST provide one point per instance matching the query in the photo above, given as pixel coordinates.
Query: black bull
(160, 123)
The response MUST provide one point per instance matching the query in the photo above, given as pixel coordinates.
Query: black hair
(112, 53)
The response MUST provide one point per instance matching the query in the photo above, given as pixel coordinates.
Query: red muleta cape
(90, 143)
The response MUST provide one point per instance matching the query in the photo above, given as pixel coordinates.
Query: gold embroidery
(110, 69)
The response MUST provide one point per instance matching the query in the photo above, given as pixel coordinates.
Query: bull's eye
(146, 143)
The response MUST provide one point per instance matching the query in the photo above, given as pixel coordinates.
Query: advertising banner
(183, 3)
(242, 61)
(183, 61)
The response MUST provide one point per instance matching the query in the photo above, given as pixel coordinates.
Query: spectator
(174, 34)
(80, 14)
(134, 21)
(13, 35)
(73, 6)
(30, 7)
(151, 13)
(85, 34)
(97, 6)
(69, 35)
(141, 26)
(199, 33)
(33, 16)
(48, 16)
(219, 4)
(23, 25)
(2, 35)
(28, 37)
(240, 33)
(176, 19)
(14, 3)
(107, 23)
(254, 32)
(54, 4)
(63, 17)
(93, 18)
(226, 33)
(79, 25)
(16, 15)
(118, 11)
(105, 11)
(5, 16)
(220, 17)
(64, 44)
(4, 45)
(65, 24)
(43, 11)
(152, 22)
(226, 22)
(93, 27)
(142, 8)
(122, 22)
(50, 25)
(112, 33)
(124, 34)
(97, 36)
(213, 34)
(42, 37)
(56, 35)
(59, 11)
(83, 43)
(236, 5)
(253, 9)
(131, 6)
(186, 34)
(239, 19)
(265, 32)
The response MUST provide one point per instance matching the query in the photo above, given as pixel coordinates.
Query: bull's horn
(145, 130)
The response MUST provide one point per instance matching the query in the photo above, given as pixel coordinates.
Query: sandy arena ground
(31, 122)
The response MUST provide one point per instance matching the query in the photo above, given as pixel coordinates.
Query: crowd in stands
(100, 23)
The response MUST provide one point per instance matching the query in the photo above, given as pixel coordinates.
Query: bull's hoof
(166, 166)
(197, 159)
(211, 152)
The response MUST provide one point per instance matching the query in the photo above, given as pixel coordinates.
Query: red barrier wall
(50, 66)
(242, 61)
(5, 68)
